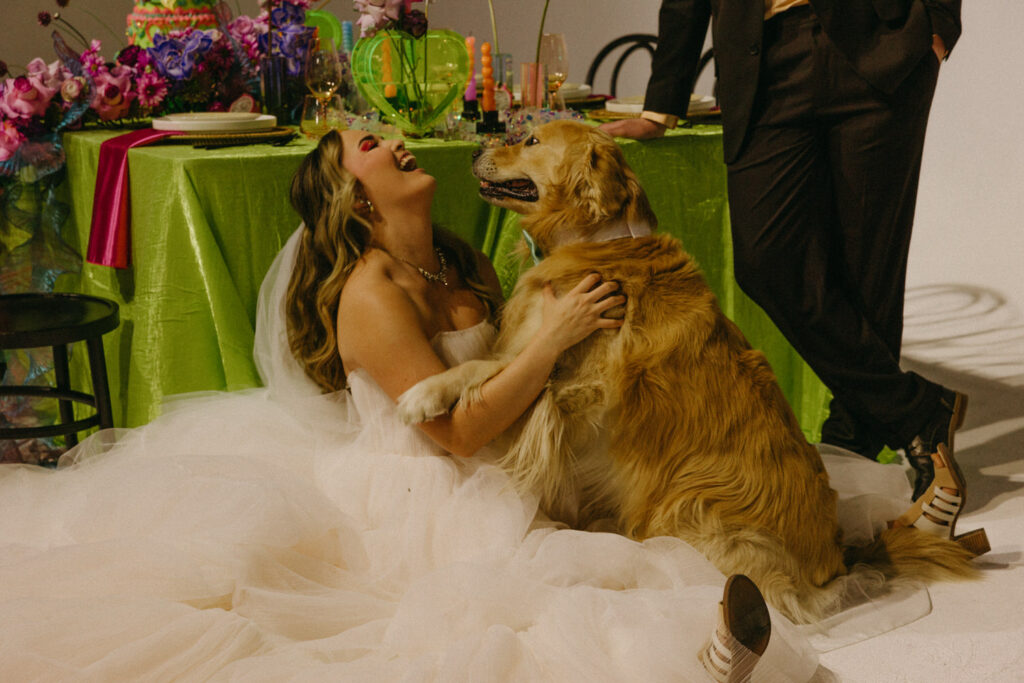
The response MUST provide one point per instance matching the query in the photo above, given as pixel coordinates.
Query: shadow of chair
(629, 44)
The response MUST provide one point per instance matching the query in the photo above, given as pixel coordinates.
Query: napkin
(109, 234)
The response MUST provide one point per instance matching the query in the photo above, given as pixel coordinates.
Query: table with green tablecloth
(206, 224)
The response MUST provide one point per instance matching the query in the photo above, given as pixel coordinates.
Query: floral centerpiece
(410, 73)
(186, 70)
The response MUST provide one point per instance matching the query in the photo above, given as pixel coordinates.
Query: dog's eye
(532, 140)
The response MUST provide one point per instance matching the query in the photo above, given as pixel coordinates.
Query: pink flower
(152, 90)
(246, 31)
(112, 95)
(91, 58)
(73, 88)
(25, 97)
(51, 76)
(10, 139)
(375, 15)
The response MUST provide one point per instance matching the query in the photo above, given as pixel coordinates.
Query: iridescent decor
(413, 82)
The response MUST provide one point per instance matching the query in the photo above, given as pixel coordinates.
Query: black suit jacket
(883, 40)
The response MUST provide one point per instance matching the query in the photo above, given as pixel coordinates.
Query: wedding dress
(280, 534)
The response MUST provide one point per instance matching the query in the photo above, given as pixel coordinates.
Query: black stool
(29, 321)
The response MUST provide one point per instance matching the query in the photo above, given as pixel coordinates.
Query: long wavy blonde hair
(323, 193)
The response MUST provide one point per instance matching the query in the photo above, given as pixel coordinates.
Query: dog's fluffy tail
(908, 553)
(896, 558)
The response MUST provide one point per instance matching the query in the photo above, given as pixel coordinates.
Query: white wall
(972, 186)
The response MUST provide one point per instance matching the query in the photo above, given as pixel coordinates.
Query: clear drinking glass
(555, 55)
(323, 78)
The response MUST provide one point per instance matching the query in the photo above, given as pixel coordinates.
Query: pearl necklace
(440, 276)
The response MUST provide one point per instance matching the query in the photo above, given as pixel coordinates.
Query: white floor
(965, 329)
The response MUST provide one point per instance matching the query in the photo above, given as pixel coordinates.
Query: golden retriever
(672, 424)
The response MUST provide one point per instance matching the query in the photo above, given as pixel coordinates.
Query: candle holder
(470, 110)
(490, 124)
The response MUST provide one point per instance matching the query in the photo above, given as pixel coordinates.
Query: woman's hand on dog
(570, 318)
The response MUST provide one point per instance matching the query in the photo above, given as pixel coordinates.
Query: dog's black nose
(477, 152)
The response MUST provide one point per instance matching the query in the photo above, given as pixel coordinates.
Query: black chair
(30, 321)
(631, 43)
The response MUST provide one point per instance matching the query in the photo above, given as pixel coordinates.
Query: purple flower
(175, 58)
(287, 14)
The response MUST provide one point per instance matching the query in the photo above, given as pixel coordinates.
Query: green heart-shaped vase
(411, 81)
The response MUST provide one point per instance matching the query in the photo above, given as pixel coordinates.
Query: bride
(302, 532)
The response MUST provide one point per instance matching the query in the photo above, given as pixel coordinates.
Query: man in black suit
(824, 108)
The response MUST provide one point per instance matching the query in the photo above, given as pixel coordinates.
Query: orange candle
(487, 71)
(390, 90)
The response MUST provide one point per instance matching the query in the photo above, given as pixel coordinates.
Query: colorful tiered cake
(150, 17)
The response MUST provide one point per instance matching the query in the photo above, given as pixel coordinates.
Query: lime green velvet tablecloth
(207, 223)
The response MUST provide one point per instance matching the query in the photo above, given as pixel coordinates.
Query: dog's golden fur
(673, 424)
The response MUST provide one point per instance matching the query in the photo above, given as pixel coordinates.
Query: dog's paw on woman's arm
(423, 401)
(435, 395)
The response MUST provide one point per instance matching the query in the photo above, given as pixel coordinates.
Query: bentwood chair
(629, 44)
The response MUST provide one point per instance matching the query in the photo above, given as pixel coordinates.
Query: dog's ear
(638, 209)
(595, 176)
(600, 181)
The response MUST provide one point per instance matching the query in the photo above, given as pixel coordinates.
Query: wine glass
(323, 69)
(554, 54)
(323, 76)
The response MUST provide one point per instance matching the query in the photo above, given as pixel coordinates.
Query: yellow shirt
(773, 7)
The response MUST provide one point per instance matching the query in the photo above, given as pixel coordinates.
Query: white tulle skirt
(279, 535)
(236, 539)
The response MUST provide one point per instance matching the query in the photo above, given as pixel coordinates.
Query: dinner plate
(574, 91)
(215, 121)
(635, 105)
(569, 91)
(625, 105)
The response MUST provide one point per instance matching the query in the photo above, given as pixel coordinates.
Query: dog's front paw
(423, 402)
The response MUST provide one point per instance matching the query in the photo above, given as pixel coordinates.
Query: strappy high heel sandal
(936, 511)
(741, 635)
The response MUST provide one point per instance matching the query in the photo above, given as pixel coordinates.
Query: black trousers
(822, 203)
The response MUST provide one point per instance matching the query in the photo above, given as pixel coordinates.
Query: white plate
(574, 91)
(570, 91)
(699, 103)
(215, 121)
(626, 105)
(635, 105)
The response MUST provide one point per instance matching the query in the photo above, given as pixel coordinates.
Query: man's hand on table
(638, 129)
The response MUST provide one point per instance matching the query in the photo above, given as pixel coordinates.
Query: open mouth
(522, 189)
(407, 163)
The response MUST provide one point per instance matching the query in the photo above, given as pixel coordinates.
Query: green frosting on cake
(150, 17)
